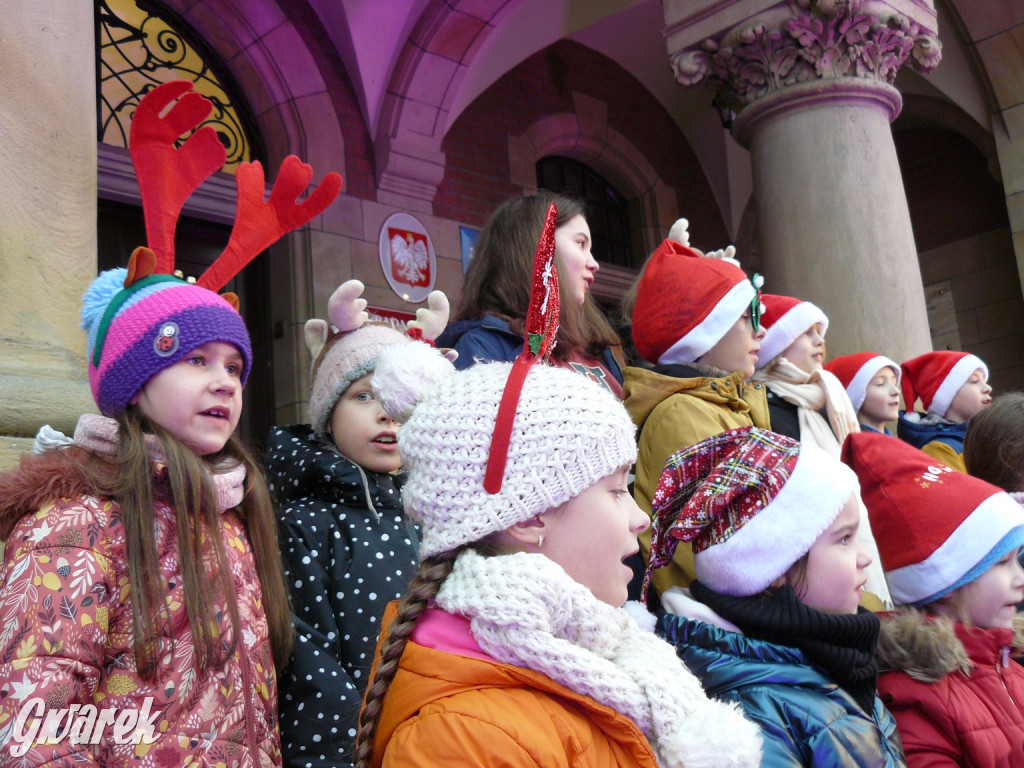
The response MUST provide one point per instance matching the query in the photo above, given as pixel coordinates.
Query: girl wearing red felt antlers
(142, 604)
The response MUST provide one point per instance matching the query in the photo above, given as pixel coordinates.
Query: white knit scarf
(524, 609)
(811, 392)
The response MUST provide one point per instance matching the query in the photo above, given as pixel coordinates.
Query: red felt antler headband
(541, 329)
(168, 175)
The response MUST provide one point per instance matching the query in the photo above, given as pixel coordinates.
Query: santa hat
(856, 372)
(751, 501)
(686, 302)
(937, 529)
(785, 319)
(936, 377)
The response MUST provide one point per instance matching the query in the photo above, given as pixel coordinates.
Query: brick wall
(476, 147)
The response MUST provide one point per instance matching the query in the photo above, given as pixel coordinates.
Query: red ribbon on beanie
(541, 328)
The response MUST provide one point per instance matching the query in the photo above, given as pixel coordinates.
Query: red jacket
(968, 710)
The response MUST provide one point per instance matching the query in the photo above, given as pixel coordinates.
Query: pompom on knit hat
(145, 318)
(856, 371)
(349, 346)
(784, 320)
(937, 529)
(568, 433)
(686, 302)
(936, 377)
(751, 501)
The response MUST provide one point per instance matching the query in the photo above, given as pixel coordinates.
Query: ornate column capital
(797, 41)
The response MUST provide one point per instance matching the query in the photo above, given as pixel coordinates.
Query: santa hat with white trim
(936, 377)
(784, 320)
(751, 501)
(857, 370)
(686, 302)
(937, 529)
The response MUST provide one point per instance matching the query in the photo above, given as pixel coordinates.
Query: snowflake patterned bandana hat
(970, 524)
(751, 501)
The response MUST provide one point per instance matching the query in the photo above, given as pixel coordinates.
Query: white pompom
(405, 373)
(646, 620)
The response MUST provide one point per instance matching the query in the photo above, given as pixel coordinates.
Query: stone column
(47, 215)
(807, 86)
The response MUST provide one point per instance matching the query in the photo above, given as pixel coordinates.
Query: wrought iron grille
(141, 45)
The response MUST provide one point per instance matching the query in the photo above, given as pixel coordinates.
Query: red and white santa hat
(686, 302)
(936, 529)
(856, 372)
(785, 319)
(751, 501)
(936, 377)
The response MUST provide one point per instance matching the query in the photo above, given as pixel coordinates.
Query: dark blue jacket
(489, 338)
(919, 435)
(805, 718)
(348, 551)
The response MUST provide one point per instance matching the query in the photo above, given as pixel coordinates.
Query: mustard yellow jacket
(675, 407)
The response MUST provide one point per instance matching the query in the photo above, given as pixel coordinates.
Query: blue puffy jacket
(489, 338)
(806, 719)
(919, 429)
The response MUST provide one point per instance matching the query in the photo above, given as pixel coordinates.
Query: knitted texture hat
(751, 501)
(937, 529)
(936, 377)
(349, 346)
(136, 332)
(686, 302)
(856, 372)
(568, 432)
(351, 355)
(785, 319)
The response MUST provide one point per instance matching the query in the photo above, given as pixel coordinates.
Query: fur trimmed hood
(927, 647)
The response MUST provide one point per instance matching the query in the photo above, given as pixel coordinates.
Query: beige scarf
(811, 392)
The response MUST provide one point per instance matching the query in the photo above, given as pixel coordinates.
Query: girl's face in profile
(990, 600)
(807, 352)
(737, 350)
(835, 577)
(199, 398)
(974, 395)
(576, 263)
(592, 534)
(881, 399)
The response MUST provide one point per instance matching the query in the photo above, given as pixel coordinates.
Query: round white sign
(407, 257)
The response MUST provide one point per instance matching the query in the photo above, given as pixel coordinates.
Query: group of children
(447, 579)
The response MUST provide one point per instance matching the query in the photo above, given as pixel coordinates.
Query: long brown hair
(499, 276)
(994, 443)
(129, 481)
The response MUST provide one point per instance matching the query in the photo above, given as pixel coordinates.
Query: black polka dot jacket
(348, 550)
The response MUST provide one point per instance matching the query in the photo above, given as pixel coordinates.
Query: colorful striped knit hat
(136, 332)
(146, 318)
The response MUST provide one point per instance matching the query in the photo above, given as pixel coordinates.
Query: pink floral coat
(66, 638)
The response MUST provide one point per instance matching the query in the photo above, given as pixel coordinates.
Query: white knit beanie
(568, 433)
